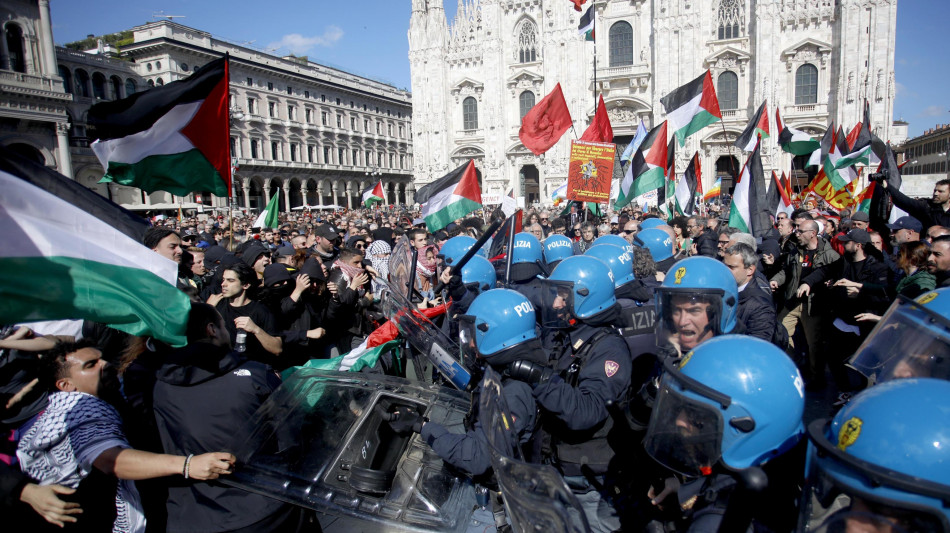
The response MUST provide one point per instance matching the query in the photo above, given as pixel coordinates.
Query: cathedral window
(621, 44)
(16, 59)
(730, 18)
(728, 90)
(806, 84)
(469, 114)
(527, 43)
(525, 102)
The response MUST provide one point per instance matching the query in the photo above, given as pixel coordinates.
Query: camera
(877, 176)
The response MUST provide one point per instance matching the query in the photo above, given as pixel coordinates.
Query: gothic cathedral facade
(817, 61)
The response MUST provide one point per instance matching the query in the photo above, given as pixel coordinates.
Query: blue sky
(369, 37)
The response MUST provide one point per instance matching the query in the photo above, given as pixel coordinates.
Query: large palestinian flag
(450, 197)
(692, 107)
(70, 253)
(172, 138)
(750, 210)
(647, 170)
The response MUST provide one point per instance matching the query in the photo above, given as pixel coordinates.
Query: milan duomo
(474, 77)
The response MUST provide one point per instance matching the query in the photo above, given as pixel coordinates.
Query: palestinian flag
(450, 197)
(270, 216)
(373, 195)
(878, 147)
(749, 212)
(838, 174)
(864, 199)
(692, 107)
(383, 339)
(779, 200)
(821, 151)
(859, 147)
(647, 170)
(757, 127)
(713, 191)
(172, 138)
(586, 25)
(70, 253)
(794, 141)
(785, 191)
(687, 186)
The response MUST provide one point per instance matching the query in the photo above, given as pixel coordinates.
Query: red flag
(853, 135)
(578, 4)
(543, 126)
(599, 129)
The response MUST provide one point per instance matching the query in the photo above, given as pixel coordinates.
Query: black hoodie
(204, 394)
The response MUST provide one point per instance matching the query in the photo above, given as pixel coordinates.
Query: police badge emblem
(611, 368)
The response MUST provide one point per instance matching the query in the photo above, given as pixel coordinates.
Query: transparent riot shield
(536, 496)
(400, 265)
(322, 441)
(428, 339)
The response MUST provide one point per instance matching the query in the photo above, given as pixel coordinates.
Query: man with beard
(932, 213)
(78, 441)
(703, 238)
(860, 285)
(938, 263)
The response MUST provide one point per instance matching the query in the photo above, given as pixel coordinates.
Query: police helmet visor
(830, 505)
(685, 433)
(557, 304)
(467, 338)
(687, 316)
(910, 341)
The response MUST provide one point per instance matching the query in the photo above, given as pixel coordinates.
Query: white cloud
(932, 111)
(298, 44)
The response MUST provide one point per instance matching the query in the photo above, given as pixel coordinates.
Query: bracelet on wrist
(185, 471)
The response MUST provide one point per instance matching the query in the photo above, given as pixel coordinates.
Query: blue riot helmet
(884, 459)
(456, 247)
(496, 321)
(618, 260)
(615, 240)
(651, 223)
(657, 241)
(735, 399)
(527, 260)
(478, 274)
(557, 248)
(697, 300)
(911, 340)
(580, 288)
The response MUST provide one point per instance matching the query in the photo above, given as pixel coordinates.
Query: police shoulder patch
(850, 431)
(611, 368)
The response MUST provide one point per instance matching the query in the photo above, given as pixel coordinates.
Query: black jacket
(874, 297)
(756, 310)
(927, 212)
(204, 394)
(707, 243)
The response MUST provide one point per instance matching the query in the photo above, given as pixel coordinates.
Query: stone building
(473, 79)
(311, 133)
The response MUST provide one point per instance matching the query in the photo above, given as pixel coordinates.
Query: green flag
(268, 217)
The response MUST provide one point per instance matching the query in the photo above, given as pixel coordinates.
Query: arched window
(731, 19)
(130, 87)
(469, 114)
(67, 79)
(527, 43)
(151, 83)
(116, 86)
(728, 90)
(82, 83)
(160, 82)
(621, 44)
(525, 102)
(98, 85)
(806, 84)
(14, 36)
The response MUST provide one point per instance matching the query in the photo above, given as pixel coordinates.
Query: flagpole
(227, 83)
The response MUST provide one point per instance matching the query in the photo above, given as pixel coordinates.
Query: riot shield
(400, 266)
(536, 496)
(428, 339)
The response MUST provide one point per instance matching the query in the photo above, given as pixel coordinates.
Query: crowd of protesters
(162, 420)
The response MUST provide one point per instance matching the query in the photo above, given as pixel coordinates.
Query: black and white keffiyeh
(66, 439)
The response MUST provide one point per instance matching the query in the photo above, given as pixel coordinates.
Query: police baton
(457, 267)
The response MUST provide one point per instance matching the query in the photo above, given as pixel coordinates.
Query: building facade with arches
(474, 79)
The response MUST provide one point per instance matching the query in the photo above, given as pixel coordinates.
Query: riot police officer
(589, 375)
(714, 431)
(498, 330)
(557, 248)
(660, 245)
(527, 267)
(882, 464)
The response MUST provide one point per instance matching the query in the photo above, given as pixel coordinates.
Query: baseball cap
(857, 235)
(276, 273)
(328, 232)
(908, 222)
(284, 251)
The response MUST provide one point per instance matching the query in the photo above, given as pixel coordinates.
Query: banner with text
(821, 187)
(590, 171)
